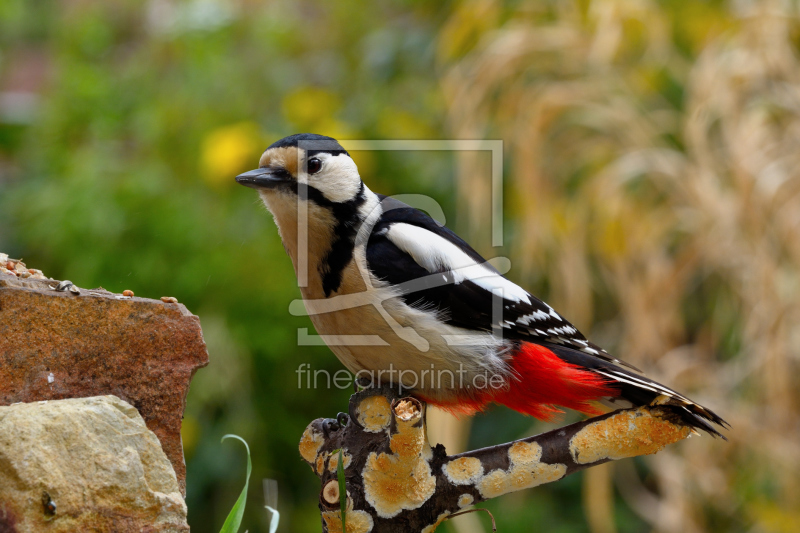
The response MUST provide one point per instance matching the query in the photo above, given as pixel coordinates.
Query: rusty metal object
(397, 483)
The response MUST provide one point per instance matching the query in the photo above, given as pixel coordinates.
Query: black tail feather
(640, 390)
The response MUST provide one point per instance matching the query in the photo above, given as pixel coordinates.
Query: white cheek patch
(338, 180)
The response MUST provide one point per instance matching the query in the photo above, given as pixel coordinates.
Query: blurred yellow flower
(397, 124)
(468, 22)
(312, 109)
(332, 128)
(230, 150)
(772, 518)
(613, 238)
(306, 107)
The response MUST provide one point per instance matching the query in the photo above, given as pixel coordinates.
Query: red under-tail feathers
(542, 382)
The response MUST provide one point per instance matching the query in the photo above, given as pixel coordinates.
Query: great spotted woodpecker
(405, 300)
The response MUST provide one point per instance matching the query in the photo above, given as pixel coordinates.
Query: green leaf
(234, 519)
(342, 490)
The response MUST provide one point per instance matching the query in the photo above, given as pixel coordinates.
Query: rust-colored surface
(56, 345)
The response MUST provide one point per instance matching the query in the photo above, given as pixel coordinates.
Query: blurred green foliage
(123, 123)
(122, 176)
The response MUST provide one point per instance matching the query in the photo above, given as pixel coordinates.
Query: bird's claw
(334, 424)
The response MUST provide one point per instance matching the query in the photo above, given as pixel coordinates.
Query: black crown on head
(311, 143)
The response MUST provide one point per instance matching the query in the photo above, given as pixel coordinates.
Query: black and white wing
(438, 271)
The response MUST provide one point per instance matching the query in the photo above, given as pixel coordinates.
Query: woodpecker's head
(310, 181)
(305, 167)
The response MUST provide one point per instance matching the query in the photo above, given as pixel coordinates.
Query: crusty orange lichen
(408, 444)
(525, 453)
(393, 484)
(526, 471)
(626, 434)
(431, 528)
(410, 439)
(357, 521)
(374, 413)
(465, 500)
(463, 471)
(333, 462)
(310, 444)
(401, 480)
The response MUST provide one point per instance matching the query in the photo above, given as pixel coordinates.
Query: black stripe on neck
(348, 221)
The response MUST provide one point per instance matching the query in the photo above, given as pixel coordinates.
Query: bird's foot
(334, 424)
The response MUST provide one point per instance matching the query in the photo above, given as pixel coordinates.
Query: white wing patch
(524, 315)
(553, 313)
(537, 316)
(434, 254)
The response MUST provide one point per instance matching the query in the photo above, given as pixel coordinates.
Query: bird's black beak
(262, 178)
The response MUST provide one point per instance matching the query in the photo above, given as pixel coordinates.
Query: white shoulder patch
(435, 253)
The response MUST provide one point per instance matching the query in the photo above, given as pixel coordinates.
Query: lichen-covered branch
(397, 483)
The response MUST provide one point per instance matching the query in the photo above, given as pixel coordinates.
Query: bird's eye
(314, 165)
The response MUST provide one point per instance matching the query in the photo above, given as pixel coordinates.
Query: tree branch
(397, 483)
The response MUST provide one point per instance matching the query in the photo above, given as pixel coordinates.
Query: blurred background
(652, 185)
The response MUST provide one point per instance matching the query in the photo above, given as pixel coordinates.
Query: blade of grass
(234, 519)
(342, 490)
